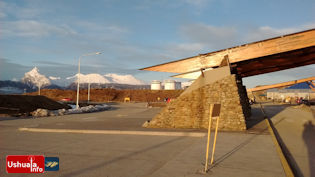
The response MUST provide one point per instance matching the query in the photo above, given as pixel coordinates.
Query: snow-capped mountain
(54, 78)
(89, 78)
(35, 79)
(106, 79)
(32, 80)
(123, 79)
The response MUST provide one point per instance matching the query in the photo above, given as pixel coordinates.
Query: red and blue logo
(31, 163)
(51, 163)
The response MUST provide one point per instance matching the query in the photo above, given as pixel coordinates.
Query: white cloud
(198, 3)
(181, 50)
(100, 28)
(26, 12)
(3, 8)
(265, 32)
(2, 15)
(32, 28)
(117, 29)
(190, 46)
(210, 36)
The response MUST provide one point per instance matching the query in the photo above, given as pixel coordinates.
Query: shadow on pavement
(288, 155)
(231, 152)
(271, 110)
(309, 140)
(257, 115)
(93, 167)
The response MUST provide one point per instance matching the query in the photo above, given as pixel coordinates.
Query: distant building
(156, 85)
(297, 90)
(280, 94)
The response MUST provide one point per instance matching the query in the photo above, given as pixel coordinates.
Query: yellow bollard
(127, 99)
(209, 133)
(215, 139)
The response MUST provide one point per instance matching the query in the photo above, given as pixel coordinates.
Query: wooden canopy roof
(275, 54)
(283, 84)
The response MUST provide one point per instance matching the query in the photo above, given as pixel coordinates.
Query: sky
(53, 34)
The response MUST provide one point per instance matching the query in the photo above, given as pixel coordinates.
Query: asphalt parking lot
(123, 154)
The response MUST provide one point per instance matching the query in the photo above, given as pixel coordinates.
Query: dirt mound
(105, 95)
(19, 104)
(303, 107)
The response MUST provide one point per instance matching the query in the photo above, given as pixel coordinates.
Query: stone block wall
(191, 110)
(244, 99)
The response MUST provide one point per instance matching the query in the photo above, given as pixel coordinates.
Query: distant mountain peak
(107, 78)
(90, 78)
(54, 78)
(124, 79)
(33, 77)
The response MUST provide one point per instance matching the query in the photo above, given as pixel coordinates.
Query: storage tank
(178, 85)
(156, 85)
(169, 84)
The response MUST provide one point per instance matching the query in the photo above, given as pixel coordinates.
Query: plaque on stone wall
(216, 110)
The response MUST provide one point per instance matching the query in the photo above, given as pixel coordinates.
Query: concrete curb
(286, 167)
(115, 132)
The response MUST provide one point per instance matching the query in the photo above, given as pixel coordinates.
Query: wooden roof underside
(279, 85)
(260, 57)
(277, 62)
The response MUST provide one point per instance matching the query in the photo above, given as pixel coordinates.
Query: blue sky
(134, 34)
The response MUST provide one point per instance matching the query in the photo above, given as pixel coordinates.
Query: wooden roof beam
(284, 84)
(241, 53)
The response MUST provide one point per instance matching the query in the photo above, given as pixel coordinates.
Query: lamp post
(78, 86)
(89, 88)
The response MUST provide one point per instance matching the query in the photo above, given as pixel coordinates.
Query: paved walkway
(237, 154)
(296, 126)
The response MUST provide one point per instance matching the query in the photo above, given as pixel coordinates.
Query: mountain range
(33, 79)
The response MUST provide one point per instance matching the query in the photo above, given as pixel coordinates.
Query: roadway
(250, 153)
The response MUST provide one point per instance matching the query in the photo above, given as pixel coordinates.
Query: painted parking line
(115, 132)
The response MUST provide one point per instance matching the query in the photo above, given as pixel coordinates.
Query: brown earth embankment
(21, 104)
(105, 95)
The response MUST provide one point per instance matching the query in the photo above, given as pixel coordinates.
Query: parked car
(302, 101)
(66, 99)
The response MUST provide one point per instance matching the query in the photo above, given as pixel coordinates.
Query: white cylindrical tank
(156, 85)
(169, 84)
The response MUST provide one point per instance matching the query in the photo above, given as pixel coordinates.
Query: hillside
(104, 95)
(19, 104)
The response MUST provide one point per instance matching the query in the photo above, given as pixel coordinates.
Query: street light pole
(78, 86)
(89, 89)
(78, 82)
